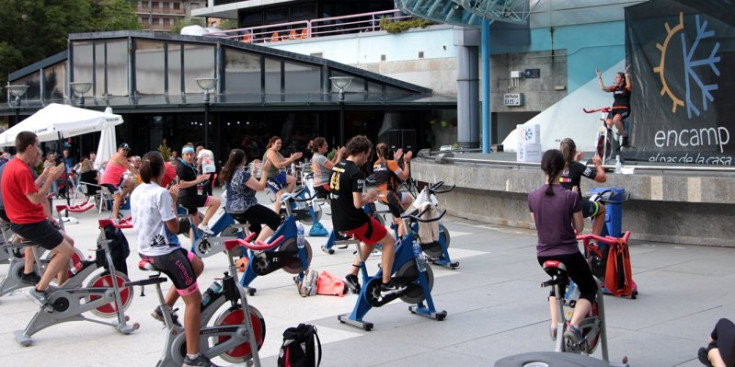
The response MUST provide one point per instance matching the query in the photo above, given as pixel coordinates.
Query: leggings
(579, 271)
(724, 339)
(257, 215)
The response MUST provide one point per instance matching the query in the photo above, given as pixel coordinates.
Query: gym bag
(119, 248)
(301, 347)
(330, 285)
(618, 275)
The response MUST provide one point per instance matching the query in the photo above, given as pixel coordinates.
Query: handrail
(328, 26)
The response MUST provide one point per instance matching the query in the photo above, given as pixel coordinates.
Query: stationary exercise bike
(104, 295)
(408, 269)
(306, 209)
(13, 254)
(437, 252)
(340, 241)
(225, 228)
(605, 144)
(287, 255)
(225, 332)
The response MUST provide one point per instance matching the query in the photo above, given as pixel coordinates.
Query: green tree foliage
(33, 30)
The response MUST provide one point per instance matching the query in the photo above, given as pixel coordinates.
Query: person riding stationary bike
(347, 200)
(622, 90)
(388, 174)
(156, 222)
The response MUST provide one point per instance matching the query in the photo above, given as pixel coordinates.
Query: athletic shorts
(276, 183)
(321, 191)
(192, 203)
(623, 112)
(394, 199)
(589, 208)
(43, 233)
(579, 271)
(257, 215)
(114, 189)
(177, 266)
(369, 233)
(4, 216)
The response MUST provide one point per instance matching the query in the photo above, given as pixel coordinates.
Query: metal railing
(305, 29)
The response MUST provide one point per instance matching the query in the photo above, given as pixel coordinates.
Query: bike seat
(124, 223)
(145, 265)
(555, 268)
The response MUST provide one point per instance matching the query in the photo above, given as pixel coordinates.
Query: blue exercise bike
(225, 228)
(409, 268)
(286, 251)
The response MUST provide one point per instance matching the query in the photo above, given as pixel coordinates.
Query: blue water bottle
(300, 236)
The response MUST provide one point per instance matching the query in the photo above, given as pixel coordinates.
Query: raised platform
(678, 204)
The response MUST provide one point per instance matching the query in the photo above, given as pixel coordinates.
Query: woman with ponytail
(389, 175)
(557, 214)
(241, 186)
(156, 222)
(322, 166)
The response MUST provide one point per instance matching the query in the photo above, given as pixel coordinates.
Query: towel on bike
(428, 231)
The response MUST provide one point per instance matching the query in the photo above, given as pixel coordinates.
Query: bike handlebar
(124, 223)
(415, 215)
(258, 246)
(610, 240)
(603, 109)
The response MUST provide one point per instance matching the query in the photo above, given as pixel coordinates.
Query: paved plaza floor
(494, 302)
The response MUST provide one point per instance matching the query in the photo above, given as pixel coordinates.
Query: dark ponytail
(233, 161)
(568, 149)
(152, 166)
(315, 144)
(552, 164)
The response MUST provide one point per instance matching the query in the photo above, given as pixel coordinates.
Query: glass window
(375, 88)
(149, 67)
(250, 19)
(55, 82)
(242, 72)
(198, 63)
(174, 69)
(99, 70)
(356, 86)
(117, 67)
(82, 66)
(33, 81)
(303, 11)
(272, 76)
(302, 78)
(276, 15)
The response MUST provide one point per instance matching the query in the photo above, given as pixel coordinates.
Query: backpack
(119, 248)
(301, 347)
(308, 284)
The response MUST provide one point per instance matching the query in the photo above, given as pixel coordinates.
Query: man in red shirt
(23, 200)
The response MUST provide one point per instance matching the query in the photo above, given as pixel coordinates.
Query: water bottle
(300, 236)
(618, 165)
(211, 291)
(419, 255)
(76, 268)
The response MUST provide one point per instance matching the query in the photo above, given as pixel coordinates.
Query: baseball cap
(123, 146)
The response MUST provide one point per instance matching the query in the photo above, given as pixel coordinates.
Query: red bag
(330, 285)
(618, 275)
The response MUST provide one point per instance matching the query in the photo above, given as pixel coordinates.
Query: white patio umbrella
(108, 143)
(57, 121)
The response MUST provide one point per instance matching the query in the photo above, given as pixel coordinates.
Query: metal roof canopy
(470, 13)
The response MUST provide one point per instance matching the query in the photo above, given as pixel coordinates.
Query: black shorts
(579, 271)
(114, 190)
(4, 216)
(590, 208)
(394, 201)
(177, 266)
(321, 191)
(623, 112)
(42, 233)
(192, 203)
(258, 215)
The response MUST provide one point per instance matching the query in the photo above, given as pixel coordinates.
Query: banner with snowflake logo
(683, 72)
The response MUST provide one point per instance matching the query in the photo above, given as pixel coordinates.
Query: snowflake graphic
(690, 65)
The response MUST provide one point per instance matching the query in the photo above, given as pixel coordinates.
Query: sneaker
(552, 333)
(205, 228)
(574, 334)
(40, 297)
(158, 315)
(353, 283)
(625, 141)
(702, 356)
(31, 278)
(200, 361)
(391, 288)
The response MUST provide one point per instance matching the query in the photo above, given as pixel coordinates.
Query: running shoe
(574, 334)
(205, 229)
(391, 288)
(199, 361)
(353, 283)
(158, 315)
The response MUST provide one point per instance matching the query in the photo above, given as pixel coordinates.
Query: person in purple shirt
(557, 214)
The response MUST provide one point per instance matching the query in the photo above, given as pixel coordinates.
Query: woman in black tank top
(621, 106)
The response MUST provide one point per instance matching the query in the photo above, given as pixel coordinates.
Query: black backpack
(119, 248)
(301, 347)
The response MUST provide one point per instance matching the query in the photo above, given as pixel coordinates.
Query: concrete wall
(670, 208)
